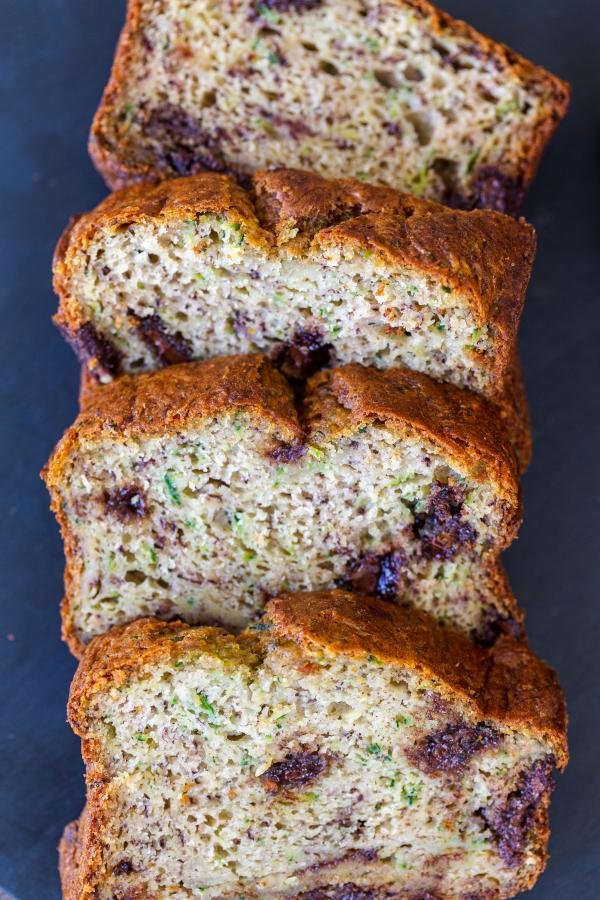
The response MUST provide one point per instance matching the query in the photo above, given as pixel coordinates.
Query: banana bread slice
(396, 92)
(200, 490)
(309, 270)
(341, 748)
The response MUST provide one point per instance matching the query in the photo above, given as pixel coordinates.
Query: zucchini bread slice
(200, 490)
(341, 748)
(394, 92)
(308, 270)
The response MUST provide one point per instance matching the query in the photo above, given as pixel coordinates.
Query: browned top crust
(120, 165)
(172, 399)
(485, 256)
(340, 401)
(507, 683)
(337, 401)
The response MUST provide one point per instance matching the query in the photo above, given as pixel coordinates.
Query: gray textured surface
(54, 61)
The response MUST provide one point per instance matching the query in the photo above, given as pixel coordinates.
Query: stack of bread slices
(297, 461)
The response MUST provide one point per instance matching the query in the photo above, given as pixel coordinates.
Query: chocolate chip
(169, 348)
(494, 624)
(239, 323)
(182, 143)
(288, 5)
(347, 891)
(441, 529)
(296, 770)
(359, 855)
(124, 867)
(286, 453)
(304, 355)
(513, 821)
(392, 128)
(451, 748)
(295, 128)
(90, 346)
(377, 573)
(494, 189)
(126, 503)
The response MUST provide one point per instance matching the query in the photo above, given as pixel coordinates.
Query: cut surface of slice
(310, 271)
(200, 490)
(343, 747)
(395, 92)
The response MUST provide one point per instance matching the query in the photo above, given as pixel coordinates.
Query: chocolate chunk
(182, 143)
(169, 348)
(360, 856)
(92, 347)
(513, 821)
(348, 891)
(392, 128)
(494, 189)
(304, 355)
(494, 624)
(124, 867)
(296, 770)
(288, 5)
(239, 323)
(126, 503)
(286, 453)
(295, 128)
(441, 529)
(451, 749)
(377, 573)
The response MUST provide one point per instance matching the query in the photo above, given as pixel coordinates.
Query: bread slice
(309, 270)
(200, 490)
(342, 748)
(396, 93)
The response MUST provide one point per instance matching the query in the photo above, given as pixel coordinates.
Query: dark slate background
(54, 60)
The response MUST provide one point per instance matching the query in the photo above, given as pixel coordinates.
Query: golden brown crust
(514, 413)
(340, 401)
(506, 683)
(111, 660)
(171, 399)
(120, 167)
(337, 401)
(484, 255)
(74, 861)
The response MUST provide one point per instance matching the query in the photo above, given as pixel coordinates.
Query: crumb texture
(200, 490)
(405, 95)
(294, 760)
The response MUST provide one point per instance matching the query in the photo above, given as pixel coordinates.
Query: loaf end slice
(200, 490)
(325, 87)
(423, 763)
(308, 270)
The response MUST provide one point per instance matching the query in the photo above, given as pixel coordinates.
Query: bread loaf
(310, 271)
(394, 92)
(341, 748)
(200, 490)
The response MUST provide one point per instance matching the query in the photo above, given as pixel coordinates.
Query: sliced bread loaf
(200, 490)
(343, 748)
(394, 92)
(309, 270)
